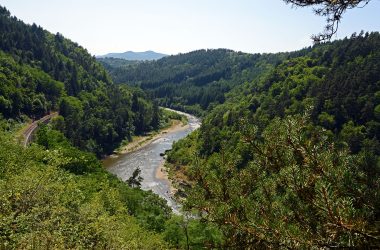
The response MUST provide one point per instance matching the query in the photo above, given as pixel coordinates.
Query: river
(149, 160)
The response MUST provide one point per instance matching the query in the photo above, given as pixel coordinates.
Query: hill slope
(292, 159)
(42, 72)
(53, 195)
(194, 81)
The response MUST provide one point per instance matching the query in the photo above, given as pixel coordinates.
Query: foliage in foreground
(53, 195)
(298, 190)
(269, 177)
(61, 198)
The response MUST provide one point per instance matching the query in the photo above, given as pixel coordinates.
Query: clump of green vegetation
(168, 116)
(272, 177)
(62, 198)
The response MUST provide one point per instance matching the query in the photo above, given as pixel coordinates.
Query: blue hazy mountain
(136, 56)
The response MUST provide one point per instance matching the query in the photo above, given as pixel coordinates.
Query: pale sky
(174, 26)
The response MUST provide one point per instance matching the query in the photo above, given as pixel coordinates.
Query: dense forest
(292, 160)
(42, 72)
(55, 194)
(109, 63)
(194, 82)
(288, 154)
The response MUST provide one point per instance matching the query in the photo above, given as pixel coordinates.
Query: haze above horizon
(171, 27)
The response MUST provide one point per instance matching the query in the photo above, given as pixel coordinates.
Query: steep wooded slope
(42, 72)
(292, 159)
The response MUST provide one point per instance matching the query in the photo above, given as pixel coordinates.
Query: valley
(266, 150)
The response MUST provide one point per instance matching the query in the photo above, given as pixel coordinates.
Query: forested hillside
(62, 198)
(288, 154)
(196, 81)
(52, 194)
(110, 63)
(42, 72)
(291, 159)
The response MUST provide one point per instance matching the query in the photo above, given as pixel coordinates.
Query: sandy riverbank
(162, 174)
(145, 140)
(142, 141)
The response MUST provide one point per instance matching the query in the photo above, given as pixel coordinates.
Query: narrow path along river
(149, 160)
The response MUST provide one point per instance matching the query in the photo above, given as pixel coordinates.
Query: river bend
(149, 160)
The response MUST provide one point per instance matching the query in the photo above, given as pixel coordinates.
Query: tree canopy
(291, 159)
(42, 72)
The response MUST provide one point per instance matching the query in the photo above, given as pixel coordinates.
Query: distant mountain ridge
(136, 56)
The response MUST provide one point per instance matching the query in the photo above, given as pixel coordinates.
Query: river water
(149, 160)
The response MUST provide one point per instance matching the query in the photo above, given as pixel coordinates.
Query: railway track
(28, 133)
